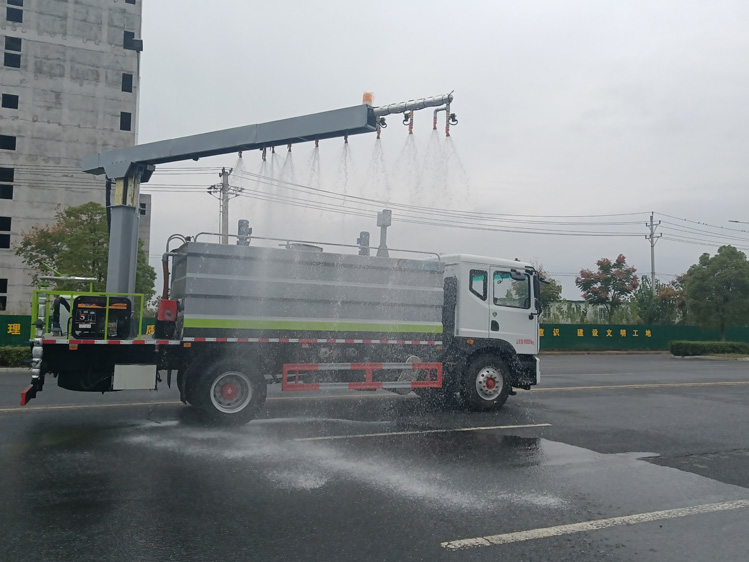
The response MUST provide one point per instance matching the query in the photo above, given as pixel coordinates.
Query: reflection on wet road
(612, 475)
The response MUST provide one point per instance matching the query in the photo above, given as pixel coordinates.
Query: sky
(580, 116)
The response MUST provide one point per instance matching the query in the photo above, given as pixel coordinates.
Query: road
(614, 457)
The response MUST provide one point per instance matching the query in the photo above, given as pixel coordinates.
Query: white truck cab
(497, 299)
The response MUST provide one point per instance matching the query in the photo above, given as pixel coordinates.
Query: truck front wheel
(486, 383)
(228, 393)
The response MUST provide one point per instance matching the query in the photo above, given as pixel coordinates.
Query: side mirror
(537, 293)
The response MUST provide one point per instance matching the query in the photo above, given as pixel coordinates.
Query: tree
(717, 290)
(78, 245)
(661, 308)
(680, 286)
(610, 286)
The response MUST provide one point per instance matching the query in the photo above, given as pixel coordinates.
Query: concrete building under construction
(70, 88)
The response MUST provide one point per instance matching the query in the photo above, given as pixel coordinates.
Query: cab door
(513, 315)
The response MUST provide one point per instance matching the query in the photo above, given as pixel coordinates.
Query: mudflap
(30, 392)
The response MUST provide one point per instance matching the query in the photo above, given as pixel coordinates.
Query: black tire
(227, 391)
(486, 383)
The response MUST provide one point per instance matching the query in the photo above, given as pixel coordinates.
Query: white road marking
(390, 433)
(598, 524)
(640, 386)
(83, 406)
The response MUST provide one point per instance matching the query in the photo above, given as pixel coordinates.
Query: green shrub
(690, 348)
(15, 356)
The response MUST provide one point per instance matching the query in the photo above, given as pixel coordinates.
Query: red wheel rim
(229, 391)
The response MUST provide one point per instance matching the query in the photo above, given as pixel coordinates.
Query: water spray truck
(234, 318)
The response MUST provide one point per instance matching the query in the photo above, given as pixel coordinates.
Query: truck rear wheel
(486, 383)
(228, 393)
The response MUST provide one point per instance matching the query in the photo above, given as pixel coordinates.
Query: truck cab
(496, 300)
(491, 325)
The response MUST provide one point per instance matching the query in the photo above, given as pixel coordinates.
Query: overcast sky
(586, 107)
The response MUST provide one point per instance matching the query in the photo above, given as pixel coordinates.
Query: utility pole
(225, 192)
(384, 219)
(225, 205)
(653, 238)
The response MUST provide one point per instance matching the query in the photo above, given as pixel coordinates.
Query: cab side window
(512, 293)
(477, 283)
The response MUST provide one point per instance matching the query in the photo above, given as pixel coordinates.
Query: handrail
(293, 241)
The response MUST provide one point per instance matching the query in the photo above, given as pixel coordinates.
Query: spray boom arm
(412, 105)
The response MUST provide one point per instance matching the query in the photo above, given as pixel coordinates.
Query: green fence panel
(626, 337)
(14, 330)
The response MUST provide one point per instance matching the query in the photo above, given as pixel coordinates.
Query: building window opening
(126, 121)
(13, 44)
(7, 175)
(127, 82)
(7, 142)
(10, 101)
(14, 15)
(12, 60)
(3, 291)
(5, 227)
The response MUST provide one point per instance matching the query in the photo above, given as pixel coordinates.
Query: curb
(604, 352)
(709, 358)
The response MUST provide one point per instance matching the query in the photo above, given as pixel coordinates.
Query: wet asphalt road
(135, 477)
